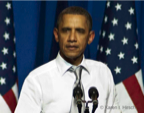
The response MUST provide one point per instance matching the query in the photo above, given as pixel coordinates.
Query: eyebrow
(68, 28)
(80, 30)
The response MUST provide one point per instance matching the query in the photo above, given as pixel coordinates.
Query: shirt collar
(63, 65)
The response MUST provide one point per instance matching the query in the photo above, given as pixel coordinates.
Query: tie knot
(71, 69)
(75, 69)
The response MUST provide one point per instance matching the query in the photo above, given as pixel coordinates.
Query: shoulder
(38, 76)
(101, 71)
(95, 63)
(98, 67)
(41, 70)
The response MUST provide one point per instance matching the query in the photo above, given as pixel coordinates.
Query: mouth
(71, 47)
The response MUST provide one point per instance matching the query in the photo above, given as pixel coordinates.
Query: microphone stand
(79, 105)
(95, 105)
(77, 93)
(87, 108)
(80, 101)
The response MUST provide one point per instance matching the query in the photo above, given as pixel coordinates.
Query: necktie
(77, 72)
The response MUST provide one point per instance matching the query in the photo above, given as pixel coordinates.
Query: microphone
(77, 94)
(93, 94)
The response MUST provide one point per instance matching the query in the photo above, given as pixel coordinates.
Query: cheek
(83, 43)
(62, 44)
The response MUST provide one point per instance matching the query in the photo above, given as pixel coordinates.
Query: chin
(72, 56)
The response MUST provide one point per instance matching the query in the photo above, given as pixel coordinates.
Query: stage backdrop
(34, 23)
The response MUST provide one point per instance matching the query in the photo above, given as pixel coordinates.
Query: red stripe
(10, 99)
(135, 92)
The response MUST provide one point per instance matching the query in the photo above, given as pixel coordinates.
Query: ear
(91, 37)
(55, 32)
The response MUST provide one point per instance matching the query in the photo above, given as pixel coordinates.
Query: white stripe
(15, 90)
(125, 101)
(3, 106)
(140, 80)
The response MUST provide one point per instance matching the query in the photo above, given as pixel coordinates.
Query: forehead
(73, 20)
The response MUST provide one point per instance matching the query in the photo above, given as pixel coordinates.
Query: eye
(64, 30)
(80, 30)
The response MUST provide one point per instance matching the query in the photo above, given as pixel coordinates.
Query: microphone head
(93, 91)
(77, 91)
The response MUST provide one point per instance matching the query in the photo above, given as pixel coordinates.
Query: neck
(74, 61)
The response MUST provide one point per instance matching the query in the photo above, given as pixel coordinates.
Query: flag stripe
(8, 71)
(15, 90)
(135, 92)
(119, 49)
(3, 106)
(140, 79)
(10, 99)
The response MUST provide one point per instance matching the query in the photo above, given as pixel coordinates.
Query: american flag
(118, 49)
(8, 74)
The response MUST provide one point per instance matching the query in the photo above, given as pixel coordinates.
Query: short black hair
(75, 10)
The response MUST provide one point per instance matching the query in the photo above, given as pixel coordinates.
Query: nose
(72, 36)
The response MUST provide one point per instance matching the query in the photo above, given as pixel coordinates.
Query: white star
(105, 19)
(115, 22)
(131, 10)
(121, 55)
(2, 81)
(128, 25)
(137, 30)
(3, 65)
(14, 69)
(6, 36)
(136, 45)
(134, 59)
(8, 5)
(101, 49)
(118, 6)
(108, 51)
(7, 21)
(108, 4)
(14, 54)
(14, 39)
(5, 51)
(117, 70)
(111, 36)
(125, 41)
(103, 34)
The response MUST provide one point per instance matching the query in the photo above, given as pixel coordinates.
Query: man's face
(73, 36)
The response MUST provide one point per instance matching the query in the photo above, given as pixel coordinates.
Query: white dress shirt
(49, 88)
